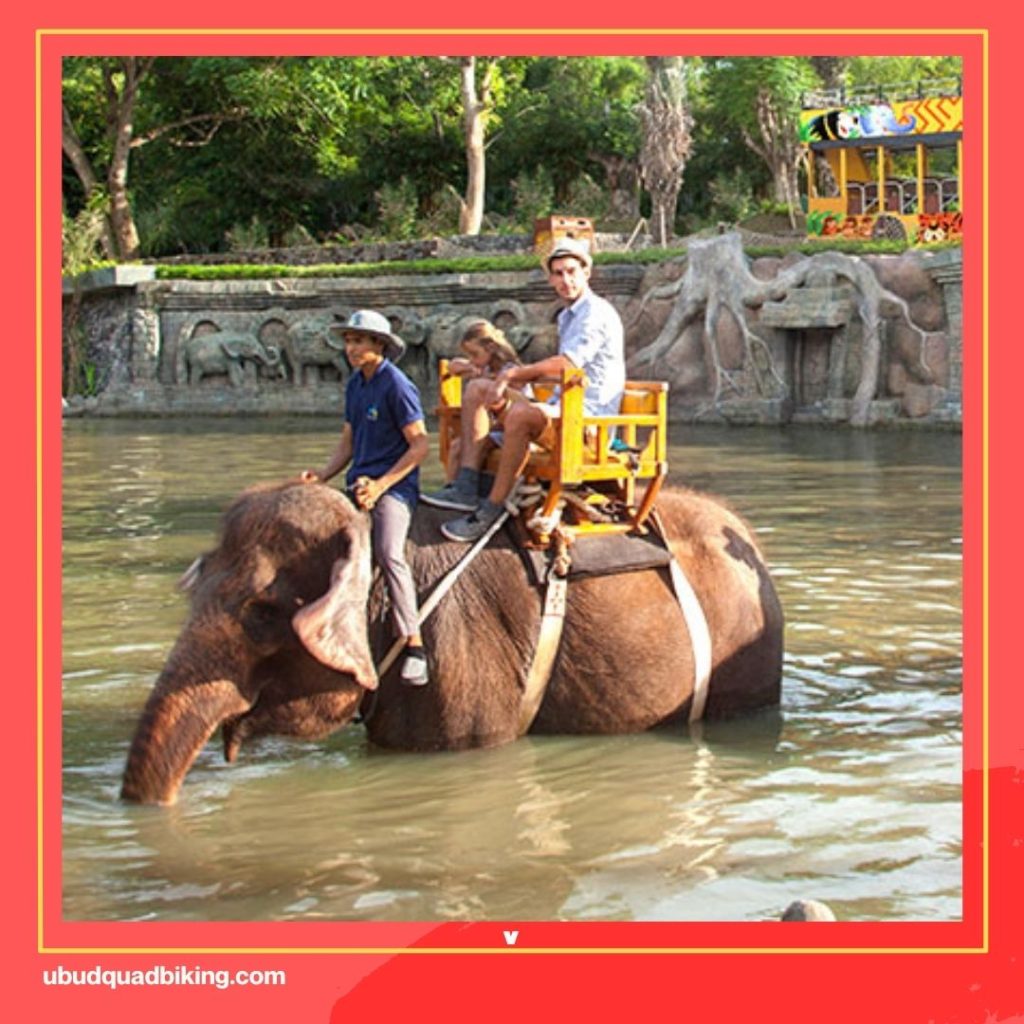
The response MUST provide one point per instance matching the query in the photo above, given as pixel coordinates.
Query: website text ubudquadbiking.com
(106, 977)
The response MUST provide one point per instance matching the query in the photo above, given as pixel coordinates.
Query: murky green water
(851, 794)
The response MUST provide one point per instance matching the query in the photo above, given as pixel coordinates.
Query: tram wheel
(889, 227)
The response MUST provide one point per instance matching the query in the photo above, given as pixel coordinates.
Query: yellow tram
(885, 165)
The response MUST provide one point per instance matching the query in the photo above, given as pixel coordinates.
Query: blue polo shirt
(378, 409)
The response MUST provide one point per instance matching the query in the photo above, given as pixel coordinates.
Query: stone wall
(176, 347)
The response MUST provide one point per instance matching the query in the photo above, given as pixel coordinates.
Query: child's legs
(451, 470)
(391, 519)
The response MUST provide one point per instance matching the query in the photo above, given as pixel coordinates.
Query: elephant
(287, 625)
(309, 344)
(224, 352)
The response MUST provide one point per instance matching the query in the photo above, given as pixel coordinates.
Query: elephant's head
(248, 346)
(276, 639)
(274, 360)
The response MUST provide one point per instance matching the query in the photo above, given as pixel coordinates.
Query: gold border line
(504, 950)
(39, 489)
(312, 31)
(516, 951)
(985, 581)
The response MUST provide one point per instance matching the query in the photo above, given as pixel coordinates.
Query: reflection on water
(850, 793)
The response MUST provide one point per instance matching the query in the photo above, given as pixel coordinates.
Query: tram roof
(891, 141)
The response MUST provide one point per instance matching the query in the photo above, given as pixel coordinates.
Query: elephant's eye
(263, 619)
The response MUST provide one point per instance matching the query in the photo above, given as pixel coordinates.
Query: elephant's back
(480, 635)
(698, 518)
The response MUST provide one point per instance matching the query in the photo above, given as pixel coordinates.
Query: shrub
(534, 196)
(246, 237)
(81, 237)
(441, 216)
(585, 198)
(732, 195)
(396, 206)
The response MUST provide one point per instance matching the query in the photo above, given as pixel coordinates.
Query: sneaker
(469, 528)
(414, 668)
(452, 496)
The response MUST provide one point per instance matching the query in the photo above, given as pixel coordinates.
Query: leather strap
(551, 623)
(700, 638)
(696, 623)
(442, 588)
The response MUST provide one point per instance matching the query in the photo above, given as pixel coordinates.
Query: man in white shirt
(590, 337)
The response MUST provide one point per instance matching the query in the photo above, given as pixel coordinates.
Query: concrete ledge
(123, 275)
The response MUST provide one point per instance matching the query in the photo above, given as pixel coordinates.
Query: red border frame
(961, 970)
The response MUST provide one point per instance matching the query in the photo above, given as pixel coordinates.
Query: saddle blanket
(600, 556)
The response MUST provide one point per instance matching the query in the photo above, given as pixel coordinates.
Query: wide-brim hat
(568, 246)
(369, 321)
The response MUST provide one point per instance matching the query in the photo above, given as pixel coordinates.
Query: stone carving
(718, 291)
(407, 324)
(444, 326)
(145, 347)
(792, 338)
(224, 352)
(310, 348)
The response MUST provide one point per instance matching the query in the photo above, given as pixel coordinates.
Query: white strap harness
(553, 618)
(700, 638)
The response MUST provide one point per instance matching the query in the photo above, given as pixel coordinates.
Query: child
(383, 441)
(486, 352)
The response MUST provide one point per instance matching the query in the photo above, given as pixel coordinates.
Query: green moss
(494, 264)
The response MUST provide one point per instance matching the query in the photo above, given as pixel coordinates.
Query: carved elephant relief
(212, 353)
(310, 349)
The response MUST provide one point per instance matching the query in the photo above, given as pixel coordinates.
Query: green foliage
(732, 195)
(587, 198)
(309, 145)
(816, 221)
(81, 236)
(297, 237)
(78, 371)
(440, 214)
(462, 265)
(890, 72)
(246, 237)
(534, 197)
(397, 209)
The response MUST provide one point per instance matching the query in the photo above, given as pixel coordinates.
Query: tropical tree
(760, 98)
(476, 109)
(666, 119)
(114, 87)
(570, 119)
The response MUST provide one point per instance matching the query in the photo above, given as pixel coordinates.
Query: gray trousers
(391, 518)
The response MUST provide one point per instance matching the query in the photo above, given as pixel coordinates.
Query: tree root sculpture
(718, 279)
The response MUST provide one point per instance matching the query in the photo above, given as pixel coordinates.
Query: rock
(920, 399)
(807, 910)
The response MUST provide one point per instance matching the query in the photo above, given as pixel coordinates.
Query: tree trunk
(779, 147)
(666, 142)
(475, 109)
(622, 178)
(122, 110)
(78, 159)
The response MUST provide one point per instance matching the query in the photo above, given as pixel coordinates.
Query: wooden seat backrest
(584, 449)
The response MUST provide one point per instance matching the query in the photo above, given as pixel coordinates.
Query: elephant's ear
(333, 628)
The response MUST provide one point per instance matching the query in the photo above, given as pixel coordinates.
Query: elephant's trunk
(174, 727)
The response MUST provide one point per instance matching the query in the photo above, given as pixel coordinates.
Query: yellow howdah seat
(604, 472)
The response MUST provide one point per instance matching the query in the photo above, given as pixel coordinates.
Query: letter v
(510, 938)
